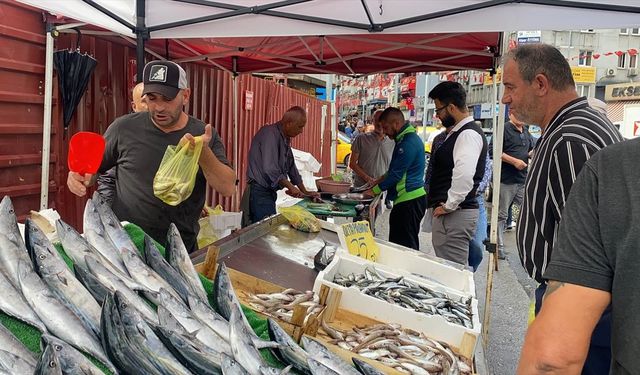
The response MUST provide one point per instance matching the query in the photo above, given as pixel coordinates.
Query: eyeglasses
(441, 108)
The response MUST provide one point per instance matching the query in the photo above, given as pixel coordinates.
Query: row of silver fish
(282, 304)
(410, 295)
(403, 349)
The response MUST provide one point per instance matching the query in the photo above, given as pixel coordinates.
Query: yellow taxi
(431, 132)
(343, 149)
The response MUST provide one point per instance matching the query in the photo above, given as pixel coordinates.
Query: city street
(512, 291)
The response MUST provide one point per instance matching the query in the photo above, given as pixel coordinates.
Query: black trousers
(404, 222)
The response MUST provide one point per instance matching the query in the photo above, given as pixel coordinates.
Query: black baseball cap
(164, 77)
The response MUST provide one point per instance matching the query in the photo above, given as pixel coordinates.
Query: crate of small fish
(298, 312)
(377, 292)
(390, 347)
(435, 270)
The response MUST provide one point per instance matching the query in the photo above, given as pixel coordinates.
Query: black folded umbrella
(74, 70)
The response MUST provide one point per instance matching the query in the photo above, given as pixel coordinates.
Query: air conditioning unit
(632, 72)
(611, 72)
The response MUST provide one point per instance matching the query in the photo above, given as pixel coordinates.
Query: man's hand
(294, 192)
(206, 138)
(439, 211)
(519, 164)
(78, 183)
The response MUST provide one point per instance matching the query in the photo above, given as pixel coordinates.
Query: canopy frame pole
(141, 34)
(291, 16)
(109, 13)
(46, 124)
(236, 140)
(498, 132)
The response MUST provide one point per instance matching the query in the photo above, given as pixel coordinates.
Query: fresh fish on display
(172, 311)
(76, 247)
(72, 362)
(58, 318)
(318, 368)
(156, 261)
(118, 346)
(324, 256)
(96, 235)
(244, 352)
(179, 258)
(210, 317)
(327, 358)
(142, 336)
(114, 283)
(288, 352)
(144, 275)
(192, 353)
(281, 305)
(11, 364)
(402, 292)
(91, 283)
(49, 363)
(13, 303)
(231, 367)
(365, 368)
(56, 274)
(403, 349)
(12, 247)
(10, 344)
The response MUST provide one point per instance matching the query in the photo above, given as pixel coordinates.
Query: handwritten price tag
(358, 240)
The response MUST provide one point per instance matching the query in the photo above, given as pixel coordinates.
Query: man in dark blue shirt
(272, 167)
(517, 144)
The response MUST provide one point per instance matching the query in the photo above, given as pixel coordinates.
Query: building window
(622, 59)
(585, 58)
(624, 31)
(635, 31)
(633, 61)
(587, 31)
(583, 90)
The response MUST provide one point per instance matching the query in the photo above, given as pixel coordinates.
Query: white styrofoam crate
(433, 326)
(409, 262)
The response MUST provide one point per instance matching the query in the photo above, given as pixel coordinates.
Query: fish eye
(57, 347)
(52, 364)
(42, 256)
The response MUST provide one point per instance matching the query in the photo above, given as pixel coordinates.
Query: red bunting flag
(632, 51)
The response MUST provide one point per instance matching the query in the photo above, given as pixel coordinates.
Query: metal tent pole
(141, 35)
(498, 131)
(46, 124)
(236, 141)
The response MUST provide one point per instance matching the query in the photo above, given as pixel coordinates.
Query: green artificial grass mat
(30, 336)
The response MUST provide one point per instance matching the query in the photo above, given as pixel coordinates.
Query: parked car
(343, 149)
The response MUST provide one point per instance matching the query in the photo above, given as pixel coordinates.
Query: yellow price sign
(358, 240)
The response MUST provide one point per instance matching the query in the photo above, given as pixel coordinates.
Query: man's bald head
(137, 104)
(293, 121)
(392, 120)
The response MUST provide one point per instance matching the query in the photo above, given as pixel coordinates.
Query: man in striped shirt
(539, 89)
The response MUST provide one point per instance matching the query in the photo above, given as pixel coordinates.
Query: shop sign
(584, 74)
(488, 80)
(529, 37)
(248, 100)
(622, 91)
(358, 240)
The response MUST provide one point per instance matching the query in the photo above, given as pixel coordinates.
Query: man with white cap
(135, 145)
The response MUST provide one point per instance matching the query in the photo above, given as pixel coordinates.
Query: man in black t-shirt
(595, 262)
(135, 145)
(516, 146)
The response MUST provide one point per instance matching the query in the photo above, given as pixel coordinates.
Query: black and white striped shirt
(575, 133)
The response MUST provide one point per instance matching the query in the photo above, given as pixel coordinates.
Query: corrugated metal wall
(22, 55)
(107, 97)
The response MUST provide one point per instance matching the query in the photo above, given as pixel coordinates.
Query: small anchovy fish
(407, 294)
(403, 349)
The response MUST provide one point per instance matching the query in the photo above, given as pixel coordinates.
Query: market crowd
(576, 189)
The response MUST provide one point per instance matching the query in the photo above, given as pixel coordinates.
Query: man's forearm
(509, 159)
(219, 176)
